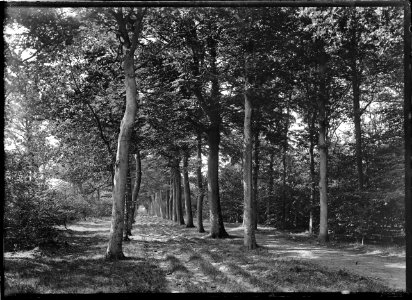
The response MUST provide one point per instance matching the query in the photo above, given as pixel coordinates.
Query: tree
(199, 184)
(188, 202)
(114, 249)
(249, 215)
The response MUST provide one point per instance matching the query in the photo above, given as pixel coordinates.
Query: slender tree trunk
(174, 204)
(357, 122)
(188, 202)
(171, 199)
(179, 206)
(312, 171)
(159, 203)
(355, 78)
(168, 204)
(284, 173)
(255, 179)
(271, 186)
(249, 239)
(199, 185)
(136, 186)
(114, 249)
(128, 219)
(152, 205)
(323, 157)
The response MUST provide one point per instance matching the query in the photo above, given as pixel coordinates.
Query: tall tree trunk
(284, 173)
(312, 170)
(174, 202)
(188, 202)
(323, 157)
(114, 249)
(407, 121)
(249, 239)
(158, 196)
(357, 122)
(355, 78)
(178, 192)
(137, 182)
(179, 204)
(168, 204)
(128, 219)
(171, 198)
(199, 184)
(271, 185)
(217, 229)
(255, 179)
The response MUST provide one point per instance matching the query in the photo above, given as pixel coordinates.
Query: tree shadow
(90, 275)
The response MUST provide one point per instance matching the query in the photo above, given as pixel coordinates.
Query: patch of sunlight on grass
(23, 254)
(396, 265)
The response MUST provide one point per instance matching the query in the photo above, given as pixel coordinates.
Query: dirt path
(389, 270)
(163, 256)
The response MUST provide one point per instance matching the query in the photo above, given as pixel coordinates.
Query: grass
(166, 257)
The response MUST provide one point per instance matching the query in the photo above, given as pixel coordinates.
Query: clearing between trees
(165, 257)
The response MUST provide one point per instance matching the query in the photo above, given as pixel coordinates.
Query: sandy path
(390, 270)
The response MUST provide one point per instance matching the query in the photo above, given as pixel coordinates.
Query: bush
(29, 220)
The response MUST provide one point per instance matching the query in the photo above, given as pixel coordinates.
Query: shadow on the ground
(90, 275)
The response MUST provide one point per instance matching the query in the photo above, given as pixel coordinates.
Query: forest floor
(165, 257)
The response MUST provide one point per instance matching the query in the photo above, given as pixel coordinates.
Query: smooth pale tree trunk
(167, 204)
(179, 204)
(171, 199)
(256, 145)
(271, 185)
(188, 202)
(136, 186)
(163, 197)
(128, 219)
(114, 249)
(284, 173)
(152, 205)
(249, 239)
(312, 171)
(174, 202)
(407, 121)
(199, 185)
(323, 157)
(285, 168)
(158, 205)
